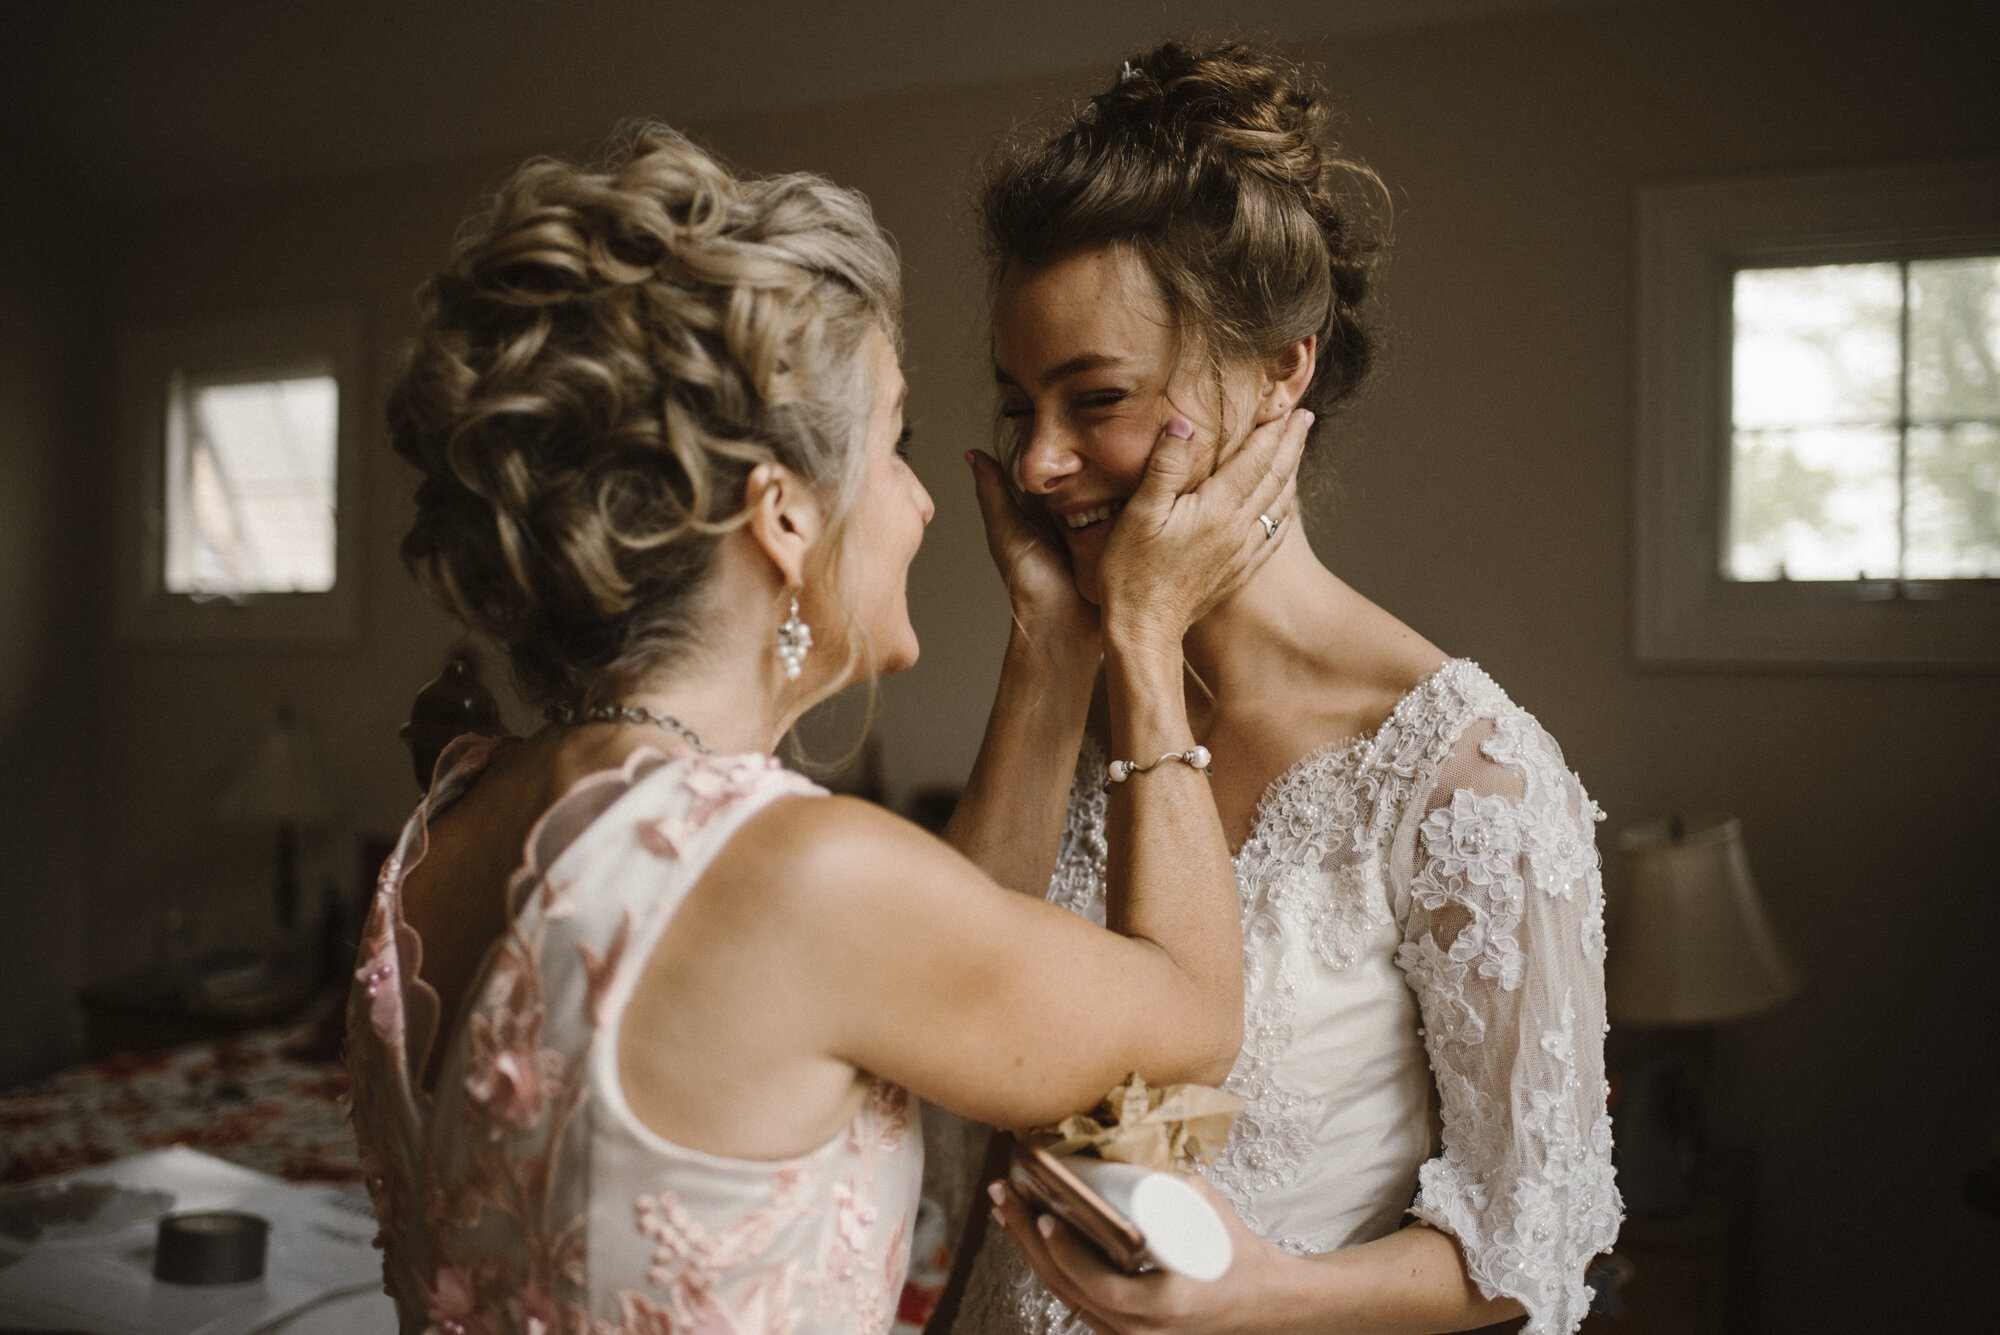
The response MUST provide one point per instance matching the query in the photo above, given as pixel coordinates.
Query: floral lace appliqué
(1501, 890)
(496, 1166)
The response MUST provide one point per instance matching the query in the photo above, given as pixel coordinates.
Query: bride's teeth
(1086, 518)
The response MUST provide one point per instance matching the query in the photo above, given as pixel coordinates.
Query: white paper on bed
(319, 1248)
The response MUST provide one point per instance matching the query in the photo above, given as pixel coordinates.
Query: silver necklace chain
(567, 715)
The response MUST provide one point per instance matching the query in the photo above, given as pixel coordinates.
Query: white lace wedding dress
(1423, 1005)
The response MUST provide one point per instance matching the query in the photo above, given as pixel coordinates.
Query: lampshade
(1691, 943)
(278, 783)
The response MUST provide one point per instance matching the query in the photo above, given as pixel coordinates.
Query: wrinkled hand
(1041, 589)
(1185, 542)
(1111, 1302)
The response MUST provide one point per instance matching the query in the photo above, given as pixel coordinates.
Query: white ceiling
(135, 99)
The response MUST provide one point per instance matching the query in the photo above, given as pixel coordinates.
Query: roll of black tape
(210, 1247)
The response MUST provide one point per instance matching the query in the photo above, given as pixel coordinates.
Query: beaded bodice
(1423, 1003)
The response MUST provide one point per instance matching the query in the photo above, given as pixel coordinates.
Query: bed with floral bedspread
(274, 1100)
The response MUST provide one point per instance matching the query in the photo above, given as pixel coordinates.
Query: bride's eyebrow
(1089, 361)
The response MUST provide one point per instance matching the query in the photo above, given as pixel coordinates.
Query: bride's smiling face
(1091, 368)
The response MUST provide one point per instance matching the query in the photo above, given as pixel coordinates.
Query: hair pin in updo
(1129, 73)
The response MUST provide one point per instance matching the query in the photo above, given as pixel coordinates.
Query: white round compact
(1183, 1232)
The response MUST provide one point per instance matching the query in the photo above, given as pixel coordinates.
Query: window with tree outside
(1865, 422)
(251, 484)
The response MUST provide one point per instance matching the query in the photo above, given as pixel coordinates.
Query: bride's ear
(1288, 378)
(786, 519)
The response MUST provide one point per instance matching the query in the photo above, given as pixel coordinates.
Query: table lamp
(1691, 948)
(1694, 946)
(278, 786)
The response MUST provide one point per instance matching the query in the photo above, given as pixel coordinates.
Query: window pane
(254, 508)
(1813, 503)
(1954, 507)
(1817, 346)
(1955, 339)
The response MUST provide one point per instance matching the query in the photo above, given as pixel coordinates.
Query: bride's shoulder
(1370, 660)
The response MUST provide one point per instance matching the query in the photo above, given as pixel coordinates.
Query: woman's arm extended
(1009, 820)
(994, 1004)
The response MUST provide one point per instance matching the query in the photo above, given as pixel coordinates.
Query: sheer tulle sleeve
(1504, 946)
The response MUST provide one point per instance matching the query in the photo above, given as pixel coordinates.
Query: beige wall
(1490, 502)
(1486, 501)
(178, 718)
(46, 694)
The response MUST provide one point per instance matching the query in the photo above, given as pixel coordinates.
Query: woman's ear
(1287, 380)
(786, 519)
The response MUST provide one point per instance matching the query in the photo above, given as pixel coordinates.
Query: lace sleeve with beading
(1504, 946)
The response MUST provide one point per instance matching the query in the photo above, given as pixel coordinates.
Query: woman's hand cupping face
(1113, 1303)
(1041, 590)
(1185, 542)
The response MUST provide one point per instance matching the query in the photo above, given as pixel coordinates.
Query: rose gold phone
(1041, 1179)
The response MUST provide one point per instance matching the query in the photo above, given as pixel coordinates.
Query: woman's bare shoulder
(811, 859)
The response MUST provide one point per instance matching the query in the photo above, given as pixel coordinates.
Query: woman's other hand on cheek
(1041, 591)
(1110, 1302)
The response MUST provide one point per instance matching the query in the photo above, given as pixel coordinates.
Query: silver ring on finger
(1270, 526)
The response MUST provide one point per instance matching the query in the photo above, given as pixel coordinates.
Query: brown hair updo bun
(1211, 164)
(603, 359)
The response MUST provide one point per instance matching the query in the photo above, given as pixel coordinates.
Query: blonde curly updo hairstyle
(1213, 165)
(604, 358)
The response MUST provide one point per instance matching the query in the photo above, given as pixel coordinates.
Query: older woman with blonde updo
(1425, 1145)
(639, 1013)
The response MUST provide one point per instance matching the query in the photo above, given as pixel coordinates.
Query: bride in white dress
(1425, 1145)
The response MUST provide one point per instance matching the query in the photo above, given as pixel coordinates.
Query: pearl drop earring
(795, 639)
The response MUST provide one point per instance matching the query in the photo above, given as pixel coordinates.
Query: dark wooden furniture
(1690, 1271)
(147, 1011)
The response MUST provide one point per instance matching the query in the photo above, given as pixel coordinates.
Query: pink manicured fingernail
(997, 1192)
(1181, 429)
(1310, 417)
(1288, 414)
(995, 1216)
(1046, 1224)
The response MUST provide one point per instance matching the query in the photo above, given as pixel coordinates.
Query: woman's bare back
(706, 1057)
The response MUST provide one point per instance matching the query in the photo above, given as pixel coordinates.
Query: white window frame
(266, 345)
(1692, 240)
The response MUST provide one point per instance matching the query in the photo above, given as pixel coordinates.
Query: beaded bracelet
(1120, 770)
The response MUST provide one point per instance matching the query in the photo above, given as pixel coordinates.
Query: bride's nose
(1046, 459)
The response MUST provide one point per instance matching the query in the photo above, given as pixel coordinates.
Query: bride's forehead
(1106, 278)
(1101, 304)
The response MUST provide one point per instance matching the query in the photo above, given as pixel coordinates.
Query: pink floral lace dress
(525, 1195)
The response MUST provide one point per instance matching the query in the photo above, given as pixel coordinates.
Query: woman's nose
(1045, 460)
(925, 505)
